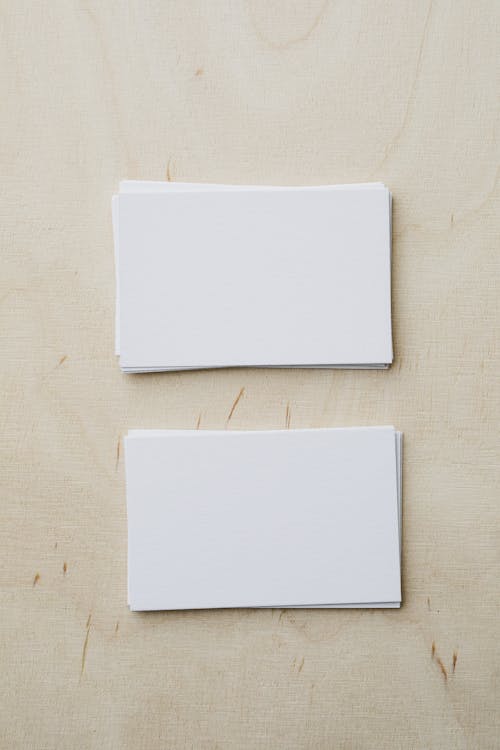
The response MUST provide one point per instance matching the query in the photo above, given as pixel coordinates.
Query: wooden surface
(246, 92)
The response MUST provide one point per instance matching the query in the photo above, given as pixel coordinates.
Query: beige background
(275, 92)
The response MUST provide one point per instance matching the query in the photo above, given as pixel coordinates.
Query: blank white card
(256, 519)
(268, 277)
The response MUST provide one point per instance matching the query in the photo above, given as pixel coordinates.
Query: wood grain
(277, 92)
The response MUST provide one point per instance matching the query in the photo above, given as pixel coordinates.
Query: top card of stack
(226, 276)
(272, 518)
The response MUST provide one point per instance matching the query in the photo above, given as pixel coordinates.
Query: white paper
(279, 518)
(270, 277)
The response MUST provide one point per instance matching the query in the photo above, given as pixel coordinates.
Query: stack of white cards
(292, 518)
(231, 276)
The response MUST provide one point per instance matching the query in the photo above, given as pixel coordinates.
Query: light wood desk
(272, 92)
